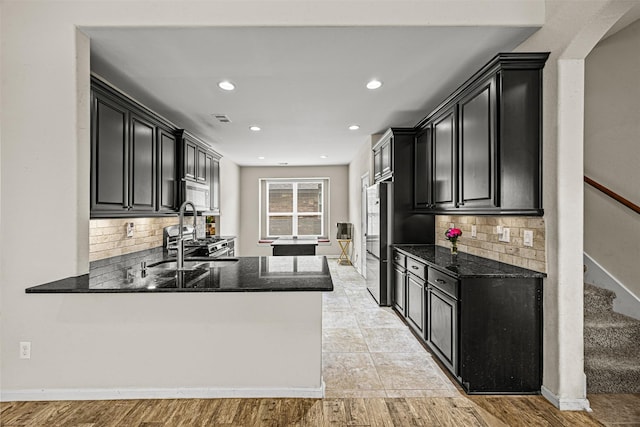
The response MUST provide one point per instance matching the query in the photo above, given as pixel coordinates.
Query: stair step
(611, 330)
(609, 372)
(597, 300)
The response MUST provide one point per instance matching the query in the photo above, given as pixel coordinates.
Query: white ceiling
(302, 85)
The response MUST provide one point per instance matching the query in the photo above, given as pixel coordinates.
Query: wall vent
(222, 118)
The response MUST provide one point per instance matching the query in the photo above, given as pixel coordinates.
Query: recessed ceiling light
(226, 85)
(354, 127)
(374, 84)
(324, 156)
(255, 128)
(261, 157)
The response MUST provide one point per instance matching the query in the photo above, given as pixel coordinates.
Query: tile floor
(367, 351)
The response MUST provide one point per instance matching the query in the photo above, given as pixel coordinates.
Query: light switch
(506, 235)
(130, 226)
(528, 238)
(498, 229)
(474, 231)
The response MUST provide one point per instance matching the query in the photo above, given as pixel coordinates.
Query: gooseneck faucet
(180, 255)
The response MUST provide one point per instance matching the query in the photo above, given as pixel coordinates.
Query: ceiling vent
(222, 118)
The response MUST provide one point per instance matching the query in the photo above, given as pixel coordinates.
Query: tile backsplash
(486, 243)
(108, 237)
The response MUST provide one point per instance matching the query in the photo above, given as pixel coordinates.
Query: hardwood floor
(486, 411)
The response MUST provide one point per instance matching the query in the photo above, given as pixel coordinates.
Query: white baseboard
(625, 301)
(159, 393)
(566, 404)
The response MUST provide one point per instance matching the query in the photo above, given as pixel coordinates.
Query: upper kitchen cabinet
(486, 143)
(382, 158)
(200, 167)
(393, 149)
(133, 157)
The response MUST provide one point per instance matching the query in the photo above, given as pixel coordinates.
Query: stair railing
(615, 196)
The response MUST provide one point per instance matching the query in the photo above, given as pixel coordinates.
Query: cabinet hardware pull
(415, 267)
(440, 281)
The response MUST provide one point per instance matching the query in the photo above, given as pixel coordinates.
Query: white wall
(612, 154)
(44, 140)
(360, 165)
(250, 206)
(229, 200)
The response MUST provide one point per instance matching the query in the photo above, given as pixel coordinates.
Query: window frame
(265, 214)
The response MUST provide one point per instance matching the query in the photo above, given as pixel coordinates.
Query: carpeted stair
(611, 345)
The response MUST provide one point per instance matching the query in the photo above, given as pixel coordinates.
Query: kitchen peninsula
(238, 327)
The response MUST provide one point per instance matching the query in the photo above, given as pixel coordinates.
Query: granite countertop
(243, 274)
(466, 265)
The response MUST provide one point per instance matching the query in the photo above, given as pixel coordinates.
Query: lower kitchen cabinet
(485, 329)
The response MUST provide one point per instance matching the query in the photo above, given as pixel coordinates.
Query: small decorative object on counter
(452, 235)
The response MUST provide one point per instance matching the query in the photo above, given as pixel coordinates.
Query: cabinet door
(415, 302)
(442, 334)
(189, 160)
(167, 171)
(398, 288)
(422, 170)
(377, 165)
(142, 176)
(386, 159)
(201, 168)
(215, 185)
(444, 160)
(477, 147)
(109, 155)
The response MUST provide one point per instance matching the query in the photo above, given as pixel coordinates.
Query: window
(293, 207)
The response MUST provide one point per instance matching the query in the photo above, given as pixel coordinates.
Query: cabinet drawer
(417, 268)
(443, 282)
(399, 258)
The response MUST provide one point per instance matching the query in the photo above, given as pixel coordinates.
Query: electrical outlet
(130, 227)
(506, 235)
(528, 238)
(498, 229)
(25, 349)
(474, 231)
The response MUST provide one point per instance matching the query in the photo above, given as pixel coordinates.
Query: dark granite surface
(465, 265)
(243, 274)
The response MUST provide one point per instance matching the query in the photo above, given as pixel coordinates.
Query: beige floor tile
(408, 371)
(343, 340)
(379, 318)
(391, 340)
(349, 371)
(338, 319)
(335, 303)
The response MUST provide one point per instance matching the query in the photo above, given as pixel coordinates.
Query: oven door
(220, 252)
(198, 194)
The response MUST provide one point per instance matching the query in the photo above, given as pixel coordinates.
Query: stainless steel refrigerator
(390, 219)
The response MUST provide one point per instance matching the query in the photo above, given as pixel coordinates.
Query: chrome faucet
(180, 255)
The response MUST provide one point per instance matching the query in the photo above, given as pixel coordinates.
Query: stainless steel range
(212, 246)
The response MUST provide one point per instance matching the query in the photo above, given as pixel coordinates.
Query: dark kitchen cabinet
(444, 164)
(200, 164)
(109, 154)
(477, 147)
(167, 171)
(423, 167)
(487, 331)
(142, 176)
(442, 333)
(416, 280)
(137, 160)
(486, 153)
(215, 184)
(383, 156)
(190, 158)
(399, 282)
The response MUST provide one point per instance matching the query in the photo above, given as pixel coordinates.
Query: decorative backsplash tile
(486, 243)
(108, 237)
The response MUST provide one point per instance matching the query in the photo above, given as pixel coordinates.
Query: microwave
(199, 194)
